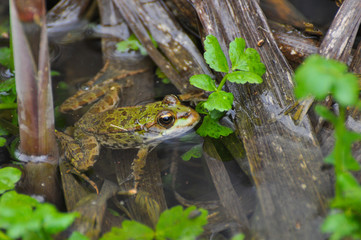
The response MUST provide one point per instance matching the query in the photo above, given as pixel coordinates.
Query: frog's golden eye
(166, 119)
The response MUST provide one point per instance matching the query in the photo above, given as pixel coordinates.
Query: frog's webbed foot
(82, 154)
(137, 170)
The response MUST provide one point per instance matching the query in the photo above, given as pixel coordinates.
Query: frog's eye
(166, 119)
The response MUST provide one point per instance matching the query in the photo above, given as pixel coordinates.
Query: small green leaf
(5, 57)
(9, 176)
(248, 60)
(211, 127)
(194, 152)
(78, 236)
(203, 81)
(236, 50)
(346, 90)
(162, 76)
(214, 55)
(54, 73)
(221, 101)
(130, 230)
(2, 142)
(176, 223)
(7, 85)
(53, 220)
(325, 113)
(132, 43)
(340, 225)
(319, 77)
(239, 236)
(241, 77)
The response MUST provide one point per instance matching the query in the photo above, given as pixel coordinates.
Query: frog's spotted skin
(134, 127)
(129, 127)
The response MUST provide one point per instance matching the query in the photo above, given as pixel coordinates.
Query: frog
(142, 127)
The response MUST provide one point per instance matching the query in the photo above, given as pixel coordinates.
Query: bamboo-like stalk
(36, 118)
(35, 102)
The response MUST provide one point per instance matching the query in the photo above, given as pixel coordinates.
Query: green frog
(141, 127)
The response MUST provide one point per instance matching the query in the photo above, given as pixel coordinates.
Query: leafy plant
(174, 223)
(246, 68)
(319, 77)
(132, 43)
(22, 216)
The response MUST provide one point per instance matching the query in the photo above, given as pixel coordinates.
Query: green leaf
(130, 230)
(241, 77)
(346, 89)
(214, 55)
(78, 236)
(221, 101)
(176, 223)
(203, 81)
(54, 73)
(132, 43)
(162, 76)
(325, 113)
(9, 176)
(7, 85)
(211, 127)
(248, 60)
(53, 220)
(236, 50)
(340, 225)
(23, 217)
(239, 236)
(194, 152)
(5, 57)
(319, 77)
(2, 143)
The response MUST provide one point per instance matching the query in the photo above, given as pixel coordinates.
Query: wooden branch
(284, 158)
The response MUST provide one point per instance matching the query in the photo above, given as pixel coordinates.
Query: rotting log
(284, 158)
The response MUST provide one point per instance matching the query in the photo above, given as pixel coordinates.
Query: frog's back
(133, 127)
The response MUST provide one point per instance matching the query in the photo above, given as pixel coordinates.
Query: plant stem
(224, 79)
(8, 105)
(339, 156)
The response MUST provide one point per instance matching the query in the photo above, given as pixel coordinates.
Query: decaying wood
(285, 162)
(340, 37)
(177, 56)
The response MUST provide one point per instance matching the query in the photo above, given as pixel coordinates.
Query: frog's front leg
(137, 170)
(82, 153)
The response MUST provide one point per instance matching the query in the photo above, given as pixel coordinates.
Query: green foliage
(22, 216)
(162, 76)
(319, 77)
(239, 236)
(2, 141)
(174, 223)
(194, 152)
(5, 57)
(78, 236)
(246, 68)
(132, 43)
(9, 177)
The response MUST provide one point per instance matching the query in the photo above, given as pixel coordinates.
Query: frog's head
(172, 119)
